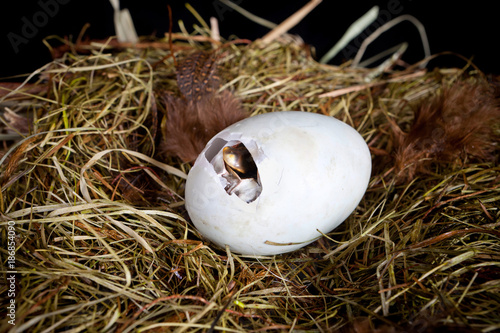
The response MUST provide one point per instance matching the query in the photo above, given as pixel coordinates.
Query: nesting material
(417, 250)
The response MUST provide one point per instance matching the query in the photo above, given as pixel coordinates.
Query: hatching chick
(191, 120)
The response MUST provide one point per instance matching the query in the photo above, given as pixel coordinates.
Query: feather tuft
(456, 123)
(189, 125)
(191, 120)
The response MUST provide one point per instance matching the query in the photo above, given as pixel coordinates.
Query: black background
(467, 28)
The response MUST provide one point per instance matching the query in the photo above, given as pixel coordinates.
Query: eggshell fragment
(313, 171)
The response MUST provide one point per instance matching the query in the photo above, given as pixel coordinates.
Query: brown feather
(189, 125)
(197, 75)
(192, 120)
(455, 123)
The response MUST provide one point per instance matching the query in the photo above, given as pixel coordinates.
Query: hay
(94, 253)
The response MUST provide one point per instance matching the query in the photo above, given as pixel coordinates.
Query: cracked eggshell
(313, 170)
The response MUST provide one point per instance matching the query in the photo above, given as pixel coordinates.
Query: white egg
(272, 183)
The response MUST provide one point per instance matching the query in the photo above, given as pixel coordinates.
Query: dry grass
(95, 253)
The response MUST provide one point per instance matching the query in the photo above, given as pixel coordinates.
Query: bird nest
(95, 236)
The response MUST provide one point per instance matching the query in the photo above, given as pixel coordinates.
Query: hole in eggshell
(214, 148)
(236, 168)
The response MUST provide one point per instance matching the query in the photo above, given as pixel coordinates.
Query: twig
(290, 22)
